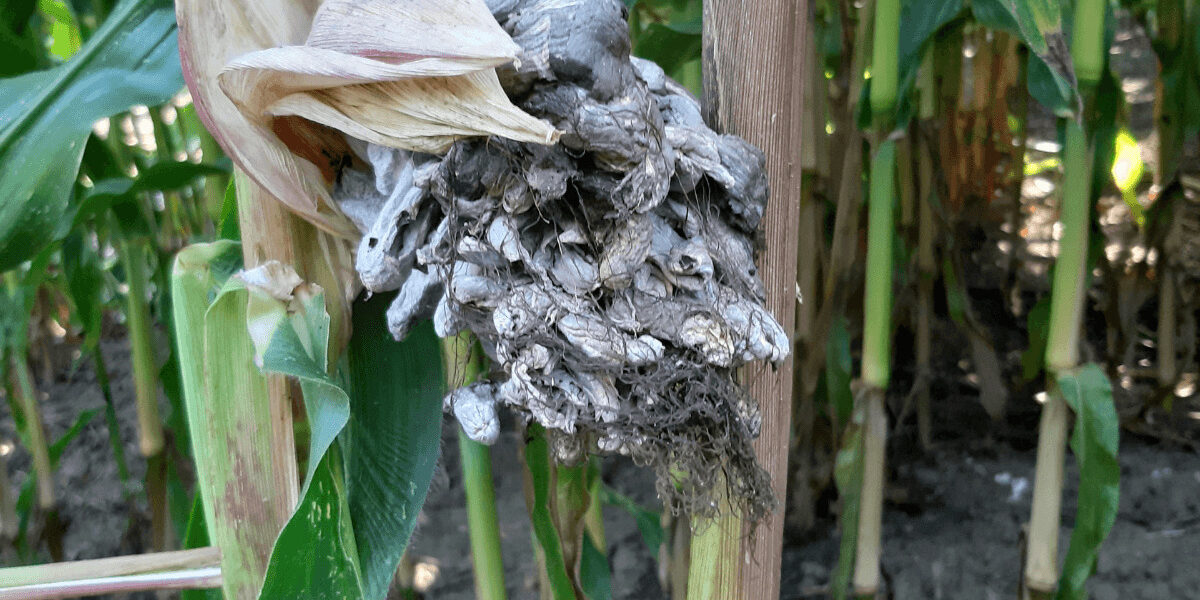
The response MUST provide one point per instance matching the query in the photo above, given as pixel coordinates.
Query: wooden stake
(753, 87)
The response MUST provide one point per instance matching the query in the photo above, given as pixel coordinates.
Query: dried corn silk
(609, 277)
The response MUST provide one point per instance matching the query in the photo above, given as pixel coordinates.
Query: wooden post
(753, 87)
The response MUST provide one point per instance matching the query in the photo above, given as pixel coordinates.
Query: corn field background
(994, 359)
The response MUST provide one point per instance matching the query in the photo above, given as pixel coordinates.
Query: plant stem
(145, 379)
(1066, 308)
(145, 370)
(111, 567)
(110, 417)
(463, 367)
(1062, 354)
(208, 577)
(876, 357)
(1166, 328)
(27, 396)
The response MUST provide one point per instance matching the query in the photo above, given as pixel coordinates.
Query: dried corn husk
(271, 78)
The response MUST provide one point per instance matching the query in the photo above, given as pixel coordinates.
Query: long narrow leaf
(1095, 440)
(46, 117)
(373, 450)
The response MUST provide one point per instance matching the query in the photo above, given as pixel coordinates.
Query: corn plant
(312, 411)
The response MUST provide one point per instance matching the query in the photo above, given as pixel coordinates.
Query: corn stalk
(1062, 353)
(463, 366)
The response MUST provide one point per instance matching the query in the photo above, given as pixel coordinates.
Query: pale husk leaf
(412, 74)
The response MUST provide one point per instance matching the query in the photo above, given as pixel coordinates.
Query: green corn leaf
(64, 29)
(292, 338)
(119, 194)
(315, 555)
(25, 497)
(1039, 25)
(1038, 325)
(669, 45)
(394, 436)
(46, 117)
(373, 450)
(229, 227)
(839, 367)
(18, 41)
(540, 469)
(595, 576)
(848, 474)
(1094, 442)
(649, 523)
(919, 20)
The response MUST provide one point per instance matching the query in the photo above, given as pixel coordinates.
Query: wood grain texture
(753, 87)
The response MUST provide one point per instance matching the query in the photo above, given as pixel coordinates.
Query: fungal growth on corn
(609, 277)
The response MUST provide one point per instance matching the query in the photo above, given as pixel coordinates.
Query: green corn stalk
(877, 309)
(463, 366)
(35, 434)
(134, 257)
(1084, 390)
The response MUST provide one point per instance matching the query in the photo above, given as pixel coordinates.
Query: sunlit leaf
(46, 116)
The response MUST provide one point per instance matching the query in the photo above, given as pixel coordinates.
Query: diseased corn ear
(213, 33)
(416, 75)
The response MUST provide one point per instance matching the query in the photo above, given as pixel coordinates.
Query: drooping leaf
(1094, 442)
(594, 573)
(648, 522)
(46, 117)
(119, 194)
(1039, 25)
(394, 436)
(371, 482)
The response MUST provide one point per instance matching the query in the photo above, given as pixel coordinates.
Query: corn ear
(413, 75)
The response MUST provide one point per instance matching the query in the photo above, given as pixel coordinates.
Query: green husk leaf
(373, 450)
